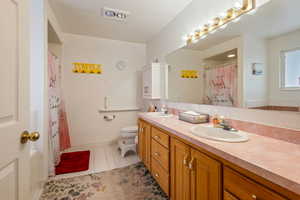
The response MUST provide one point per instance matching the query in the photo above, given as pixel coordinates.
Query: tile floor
(103, 157)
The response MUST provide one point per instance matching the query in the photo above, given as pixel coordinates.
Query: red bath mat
(73, 162)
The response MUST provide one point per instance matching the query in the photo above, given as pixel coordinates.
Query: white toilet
(127, 140)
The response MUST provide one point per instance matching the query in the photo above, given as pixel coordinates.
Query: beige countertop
(275, 160)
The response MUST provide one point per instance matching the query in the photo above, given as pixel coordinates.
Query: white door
(14, 99)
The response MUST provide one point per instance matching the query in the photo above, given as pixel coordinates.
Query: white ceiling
(147, 18)
(275, 18)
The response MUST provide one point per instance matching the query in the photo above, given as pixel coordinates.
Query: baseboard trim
(95, 144)
(38, 194)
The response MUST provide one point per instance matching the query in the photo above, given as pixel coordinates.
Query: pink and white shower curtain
(59, 139)
(220, 86)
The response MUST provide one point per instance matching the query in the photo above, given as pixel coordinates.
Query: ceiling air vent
(115, 14)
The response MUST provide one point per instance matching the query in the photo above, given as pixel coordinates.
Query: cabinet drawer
(242, 188)
(160, 137)
(160, 175)
(160, 154)
(228, 196)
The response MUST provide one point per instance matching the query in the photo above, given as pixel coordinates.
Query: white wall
(255, 87)
(182, 89)
(275, 46)
(84, 93)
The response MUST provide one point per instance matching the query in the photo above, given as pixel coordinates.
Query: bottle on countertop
(152, 108)
(215, 120)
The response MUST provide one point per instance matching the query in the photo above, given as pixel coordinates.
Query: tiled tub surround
(275, 160)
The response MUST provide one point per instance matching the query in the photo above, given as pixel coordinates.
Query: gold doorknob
(34, 136)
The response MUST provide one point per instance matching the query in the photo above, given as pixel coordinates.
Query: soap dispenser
(215, 120)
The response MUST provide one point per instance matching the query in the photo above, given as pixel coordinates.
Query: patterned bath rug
(129, 183)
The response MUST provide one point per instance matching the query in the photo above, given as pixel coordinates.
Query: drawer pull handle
(156, 137)
(156, 154)
(191, 164)
(254, 196)
(185, 160)
(156, 175)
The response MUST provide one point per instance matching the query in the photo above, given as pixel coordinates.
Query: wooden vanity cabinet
(160, 158)
(194, 176)
(180, 173)
(144, 143)
(205, 177)
(153, 150)
(141, 142)
(185, 172)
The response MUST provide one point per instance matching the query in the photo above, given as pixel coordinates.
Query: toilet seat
(129, 131)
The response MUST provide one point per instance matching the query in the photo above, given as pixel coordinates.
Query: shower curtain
(220, 86)
(59, 139)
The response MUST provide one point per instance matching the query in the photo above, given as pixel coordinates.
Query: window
(290, 77)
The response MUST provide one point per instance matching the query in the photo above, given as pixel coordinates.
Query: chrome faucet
(225, 125)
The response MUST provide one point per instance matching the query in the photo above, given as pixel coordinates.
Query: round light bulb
(210, 22)
(222, 15)
(238, 5)
(185, 38)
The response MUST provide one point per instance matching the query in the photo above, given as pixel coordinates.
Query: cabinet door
(147, 143)
(180, 173)
(147, 83)
(141, 142)
(205, 177)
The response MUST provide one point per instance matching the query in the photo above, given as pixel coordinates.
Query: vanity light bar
(231, 15)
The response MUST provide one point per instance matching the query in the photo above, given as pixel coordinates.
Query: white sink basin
(159, 114)
(218, 134)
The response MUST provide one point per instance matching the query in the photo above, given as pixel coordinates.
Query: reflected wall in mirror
(253, 64)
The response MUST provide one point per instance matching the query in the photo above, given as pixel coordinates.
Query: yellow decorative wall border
(189, 74)
(87, 68)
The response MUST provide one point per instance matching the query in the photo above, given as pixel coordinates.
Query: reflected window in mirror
(290, 69)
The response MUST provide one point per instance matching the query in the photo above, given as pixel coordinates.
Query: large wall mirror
(253, 63)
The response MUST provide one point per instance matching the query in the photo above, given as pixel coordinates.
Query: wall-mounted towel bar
(119, 109)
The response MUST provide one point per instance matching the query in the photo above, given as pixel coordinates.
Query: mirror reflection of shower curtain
(220, 85)
(59, 139)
